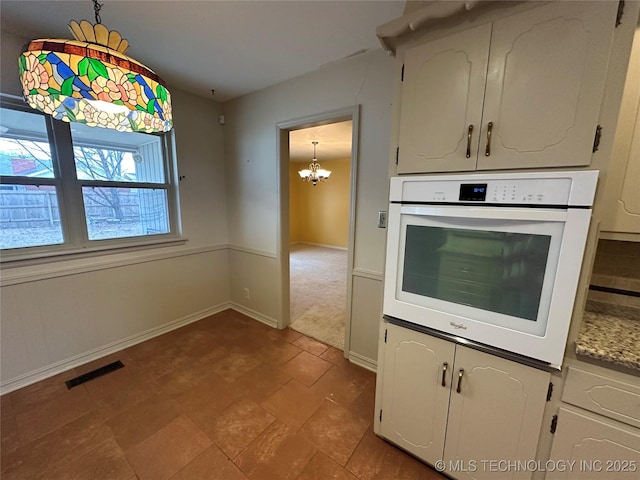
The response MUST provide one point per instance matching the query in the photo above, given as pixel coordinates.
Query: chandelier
(314, 173)
(90, 80)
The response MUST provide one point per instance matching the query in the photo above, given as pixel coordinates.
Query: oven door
(504, 277)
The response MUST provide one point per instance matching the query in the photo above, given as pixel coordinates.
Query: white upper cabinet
(530, 86)
(442, 99)
(544, 86)
(621, 220)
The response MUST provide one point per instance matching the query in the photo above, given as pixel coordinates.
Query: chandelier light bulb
(314, 173)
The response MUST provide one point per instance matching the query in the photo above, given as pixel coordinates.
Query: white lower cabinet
(601, 438)
(417, 374)
(446, 402)
(593, 447)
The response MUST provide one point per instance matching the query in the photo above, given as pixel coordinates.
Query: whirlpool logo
(457, 326)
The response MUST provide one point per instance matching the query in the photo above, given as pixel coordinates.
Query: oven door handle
(492, 213)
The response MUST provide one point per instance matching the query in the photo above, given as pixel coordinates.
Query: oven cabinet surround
(523, 91)
(442, 401)
(598, 425)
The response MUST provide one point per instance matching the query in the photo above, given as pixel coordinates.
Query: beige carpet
(319, 292)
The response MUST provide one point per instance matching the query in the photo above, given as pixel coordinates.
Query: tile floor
(224, 398)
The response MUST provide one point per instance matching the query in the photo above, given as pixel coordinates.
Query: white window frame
(71, 202)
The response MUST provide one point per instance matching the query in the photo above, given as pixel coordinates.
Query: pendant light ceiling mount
(315, 173)
(91, 80)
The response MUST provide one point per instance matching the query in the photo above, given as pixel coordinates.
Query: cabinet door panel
(442, 95)
(600, 448)
(497, 414)
(545, 81)
(623, 177)
(414, 402)
(629, 203)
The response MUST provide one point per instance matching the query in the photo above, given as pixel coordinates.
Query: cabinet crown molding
(421, 14)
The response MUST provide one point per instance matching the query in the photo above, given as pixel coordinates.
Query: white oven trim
(581, 193)
(490, 213)
(554, 227)
(548, 348)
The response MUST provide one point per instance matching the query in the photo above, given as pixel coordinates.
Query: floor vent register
(98, 372)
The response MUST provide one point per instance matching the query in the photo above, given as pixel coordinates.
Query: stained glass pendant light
(314, 173)
(90, 80)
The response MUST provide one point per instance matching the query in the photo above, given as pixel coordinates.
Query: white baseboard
(272, 322)
(363, 362)
(335, 247)
(97, 353)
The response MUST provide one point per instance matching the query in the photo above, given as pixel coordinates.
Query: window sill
(50, 255)
(79, 264)
(50, 264)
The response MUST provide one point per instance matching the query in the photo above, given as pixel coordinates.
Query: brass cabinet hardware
(460, 374)
(469, 133)
(444, 373)
(596, 139)
(487, 152)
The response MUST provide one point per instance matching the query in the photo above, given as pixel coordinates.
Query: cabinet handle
(460, 374)
(487, 151)
(469, 133)
(444, 373)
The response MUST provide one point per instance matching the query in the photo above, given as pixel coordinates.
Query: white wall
(60, 314)
(252, 170)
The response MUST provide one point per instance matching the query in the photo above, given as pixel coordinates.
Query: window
(68, 187)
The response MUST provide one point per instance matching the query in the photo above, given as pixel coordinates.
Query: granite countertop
(610, 333)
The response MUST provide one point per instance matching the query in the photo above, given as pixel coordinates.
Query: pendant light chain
(96, 7)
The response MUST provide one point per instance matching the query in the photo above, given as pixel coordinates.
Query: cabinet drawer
(612, 398)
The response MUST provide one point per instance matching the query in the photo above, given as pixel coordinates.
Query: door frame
(282, 146)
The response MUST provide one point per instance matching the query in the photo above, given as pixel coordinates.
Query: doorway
(319, 231)
(316, 225)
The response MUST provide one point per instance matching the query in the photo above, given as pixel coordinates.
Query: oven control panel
(495, 192)
(473, 192)
(554, 192)
(563, 189)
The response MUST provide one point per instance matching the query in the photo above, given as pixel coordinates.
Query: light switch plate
(382, 219)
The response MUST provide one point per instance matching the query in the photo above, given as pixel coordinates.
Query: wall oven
(489, 258)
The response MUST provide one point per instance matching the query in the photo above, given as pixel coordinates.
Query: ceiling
(334, 142)
(233, 47)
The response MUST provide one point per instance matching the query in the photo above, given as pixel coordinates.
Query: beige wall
(60, 314)
(320, 214)
(251, 166)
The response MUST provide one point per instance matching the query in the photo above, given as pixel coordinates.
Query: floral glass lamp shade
(90, 80)
(315, 173)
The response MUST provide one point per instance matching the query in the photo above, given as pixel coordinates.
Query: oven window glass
(501, 272)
